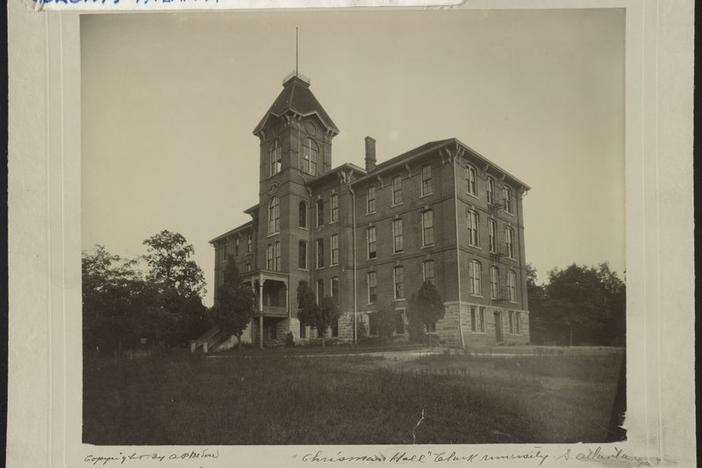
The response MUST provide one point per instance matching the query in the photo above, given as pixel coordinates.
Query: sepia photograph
(353, 227)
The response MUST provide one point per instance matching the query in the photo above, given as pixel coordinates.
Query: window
(249, 242)
(274, 216)
(490, 190)
(399, 280)
(473, 319)
(302, 255)
(428, 271)
(334, 210)
(236, 247)
(399, 322)
(371, 242)
(481, 320)
(276, 256)
(320, 212)
(302, 215)
(397, 190)
(372, 287)
(509, 241)
(470, 180)
(303, 330)
(517, 325)
(334, 250)
(370, 200)
(427, 187)
(427, 227)
(335, 288)
(320, 290)
(512, 286)
(275, 157)
(320, 253)
(310, 157)
(248, 266)
(511, 321)
(494, 282)
(475, 272)
(397, 236)
(270, 261)
(508, 201)
(492, 235)
(473, 228)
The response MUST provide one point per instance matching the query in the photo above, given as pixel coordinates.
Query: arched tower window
(274, 215)
(302, 216)
(310, 157)
(276, 154)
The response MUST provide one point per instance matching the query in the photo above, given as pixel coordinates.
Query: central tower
(295, 137)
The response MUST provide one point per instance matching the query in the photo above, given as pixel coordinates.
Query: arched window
(475, 273)
(494, 282)
(508, 198)
(470, 180)
(310, 157)
(302, 216)
(274, 216)
(490, 190)
(473, 228)
(275, 157)
(512, 286)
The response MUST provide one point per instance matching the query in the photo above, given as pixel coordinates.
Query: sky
(169, 102)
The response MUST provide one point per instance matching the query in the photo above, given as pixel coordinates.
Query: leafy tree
(172, 269)
(387, 318)
(579, 305)
(235, 306)
(426, 307)
(306, 304)
(327, 314)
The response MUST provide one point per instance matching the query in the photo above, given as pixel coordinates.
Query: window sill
(368, 213)
(331, 265)
(475, 247)
(427, 246)
(272, 234)
(395, 205)
(399, 252)
(425, 195)
(473, 195)
(401, 299)
(475, 295)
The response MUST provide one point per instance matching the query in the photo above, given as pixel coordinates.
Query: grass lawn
(273, 397)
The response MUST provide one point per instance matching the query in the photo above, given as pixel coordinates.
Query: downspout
(454, 161)
(353, 249)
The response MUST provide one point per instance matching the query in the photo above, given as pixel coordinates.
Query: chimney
(370, 153)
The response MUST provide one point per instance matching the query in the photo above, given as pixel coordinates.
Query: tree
(306, 304)
(110, 297)
(328, 313)
(235, 306)
(387, 321)
(579, 305)
(171, 268)
(426, 307)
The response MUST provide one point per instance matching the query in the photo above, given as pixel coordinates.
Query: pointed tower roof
(297, 97)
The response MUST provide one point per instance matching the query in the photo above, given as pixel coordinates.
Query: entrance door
(498, 327)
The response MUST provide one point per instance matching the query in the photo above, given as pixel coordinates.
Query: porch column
(260, 311)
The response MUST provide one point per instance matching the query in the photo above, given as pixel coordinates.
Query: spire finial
(296, 52)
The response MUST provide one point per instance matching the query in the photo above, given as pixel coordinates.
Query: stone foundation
(473, 334)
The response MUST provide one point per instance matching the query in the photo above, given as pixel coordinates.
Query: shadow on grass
(268, 398)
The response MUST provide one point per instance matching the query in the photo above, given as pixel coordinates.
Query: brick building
(440, 212)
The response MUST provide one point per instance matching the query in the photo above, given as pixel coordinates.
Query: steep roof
(297, 97)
